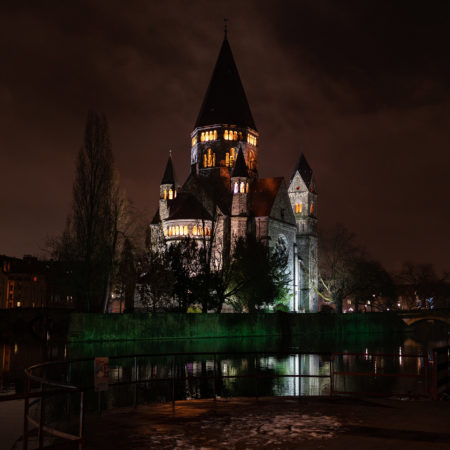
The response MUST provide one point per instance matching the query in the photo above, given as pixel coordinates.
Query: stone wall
(108, 327)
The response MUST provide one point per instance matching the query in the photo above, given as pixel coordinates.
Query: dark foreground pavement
(275, 423)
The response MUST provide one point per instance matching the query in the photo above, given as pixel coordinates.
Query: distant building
(30, 283)
(224, 190)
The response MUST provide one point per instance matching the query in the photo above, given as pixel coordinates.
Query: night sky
(361, 87)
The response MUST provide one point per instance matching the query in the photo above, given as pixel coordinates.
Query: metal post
(332, 375)
(42, 417)
(136, 383)
(25, 414)
(257, 375)
(81, 441)
(214, 380)
(173, 385)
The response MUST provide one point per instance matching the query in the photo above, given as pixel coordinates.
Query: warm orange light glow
(311, 208)
(242, 189)
(165, 194)
(170, 194)
(225, 135)
(194, 230)
(227, 159)
(298, 208)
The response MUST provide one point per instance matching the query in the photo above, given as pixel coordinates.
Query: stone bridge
(411, 317)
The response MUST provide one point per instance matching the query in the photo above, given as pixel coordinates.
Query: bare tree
(91, 238)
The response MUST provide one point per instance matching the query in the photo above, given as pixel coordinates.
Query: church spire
(169, 177)
(225, 101)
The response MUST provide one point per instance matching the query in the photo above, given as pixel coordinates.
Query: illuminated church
(224, 199)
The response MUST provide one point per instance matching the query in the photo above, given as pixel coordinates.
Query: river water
(277, 362)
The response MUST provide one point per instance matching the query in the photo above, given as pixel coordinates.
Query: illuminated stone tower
(303, 197)
(167, 189)
(224, 124)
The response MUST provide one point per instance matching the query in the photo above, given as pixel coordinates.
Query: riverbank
(115, 327)
(309, 423)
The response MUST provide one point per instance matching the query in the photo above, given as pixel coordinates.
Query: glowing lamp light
(19, 304)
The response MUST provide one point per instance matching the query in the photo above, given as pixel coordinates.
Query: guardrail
(431, 375)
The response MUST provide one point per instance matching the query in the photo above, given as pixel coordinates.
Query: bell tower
(303, 196)
(224, 124)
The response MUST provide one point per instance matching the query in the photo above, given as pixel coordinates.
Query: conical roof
(302, 167)
(168, 177)
(240, 168)
(225, 100)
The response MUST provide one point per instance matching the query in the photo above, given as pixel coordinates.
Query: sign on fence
(101, 373)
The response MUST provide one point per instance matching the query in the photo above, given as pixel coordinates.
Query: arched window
(165, 232)
(214, 160)
(170, 231)
(246, 188)
(202, 137)
(242, 190)
(181, 230)
(205, 163)
(227, 159)
(232, 157)
(209, 158)
(215, 135)
(186, 232)
(236, 188)
(225, 135)
(170, 194)
(311, 208)
(298, 207)
(177, 230)
(194, 230)
(165, 194)
(194, 140)
(235, 136)
(175, 193)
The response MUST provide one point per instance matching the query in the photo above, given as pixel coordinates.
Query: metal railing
(48, 387)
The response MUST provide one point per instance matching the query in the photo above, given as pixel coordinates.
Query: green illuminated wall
(109, 327)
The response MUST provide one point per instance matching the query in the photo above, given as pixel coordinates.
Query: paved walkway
(275, 423)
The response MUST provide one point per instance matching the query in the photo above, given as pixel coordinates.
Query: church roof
(302, 167)
(225, 100)
(262, 195)
(240, 168)
(168, 177)
(186, 206)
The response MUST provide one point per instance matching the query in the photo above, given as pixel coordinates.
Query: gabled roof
(186, 206)
(240, 168)
(262, 195)
(168, 177)
(304, 170)
(225, 100)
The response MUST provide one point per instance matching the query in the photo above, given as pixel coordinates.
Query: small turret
(239, 205)
(167, 189)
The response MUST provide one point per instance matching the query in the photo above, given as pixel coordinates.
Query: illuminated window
(170, 231)
(311, 208)
(177, 230)
(209, 158)
(252, 161)
(194, 230)
(246, 188)
(170, 194)
(235, 135)
(215, 135)
(181, 230)
(242, 189)
(236, 188)
(165, 231)
(225, 135)
(205, 161)
(186, 232)
(298, 207)
(194, 140)
(214, 160)
(232, 156)
(202, 137)
(165, 194)
(175, 193)
(227, 159)
(251, 139)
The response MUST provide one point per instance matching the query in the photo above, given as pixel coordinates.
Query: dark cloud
(361, 87)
